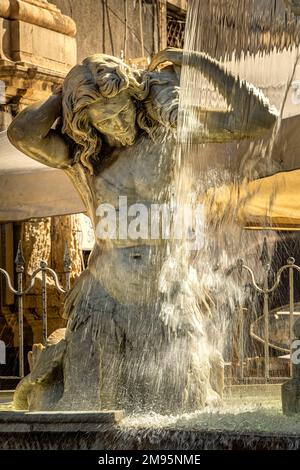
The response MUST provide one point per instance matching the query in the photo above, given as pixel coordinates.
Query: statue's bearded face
(115, 117)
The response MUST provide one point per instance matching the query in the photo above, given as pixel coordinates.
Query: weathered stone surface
(26, 84)
(43, 387)
(70, 422)
(130, 342)
(108, 21)
(37, 35)
(39, 46)
(38, 12)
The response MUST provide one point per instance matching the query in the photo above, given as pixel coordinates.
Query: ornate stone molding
(36, 32)
(37, 49)
(26, 84)
(39, 13)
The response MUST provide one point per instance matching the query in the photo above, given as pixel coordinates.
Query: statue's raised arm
(250, 114)
(103, 100)
(32, 133)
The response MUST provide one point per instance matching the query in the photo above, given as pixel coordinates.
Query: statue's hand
(170, 54)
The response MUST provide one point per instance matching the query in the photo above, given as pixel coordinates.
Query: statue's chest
(142, 173)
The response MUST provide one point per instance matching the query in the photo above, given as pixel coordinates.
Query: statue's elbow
(265, 118)
(15, 133)
(260, 124)
(18, 135)
(271, 119)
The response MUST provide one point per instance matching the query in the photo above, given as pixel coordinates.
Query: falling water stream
(255, 42)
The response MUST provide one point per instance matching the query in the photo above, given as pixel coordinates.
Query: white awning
(29, 189)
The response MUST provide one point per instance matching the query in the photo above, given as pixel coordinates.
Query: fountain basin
(254, 424)
(33, 436)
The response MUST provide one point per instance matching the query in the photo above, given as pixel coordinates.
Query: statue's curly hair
(101, 75)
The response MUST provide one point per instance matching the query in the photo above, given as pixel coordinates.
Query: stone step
(57, 421)
(6, 396)
(261, 391)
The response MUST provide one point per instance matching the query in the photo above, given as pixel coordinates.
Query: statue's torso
(142, 174)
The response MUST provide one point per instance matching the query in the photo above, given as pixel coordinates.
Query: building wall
(101, 26)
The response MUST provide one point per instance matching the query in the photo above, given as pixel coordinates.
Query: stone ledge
(260, 391)
(52, 421)
(6, 396)
(38, 13)
(28, 68)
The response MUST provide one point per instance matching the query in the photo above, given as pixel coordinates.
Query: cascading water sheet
(239, 87)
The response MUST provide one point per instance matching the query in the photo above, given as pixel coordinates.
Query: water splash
(220, 151)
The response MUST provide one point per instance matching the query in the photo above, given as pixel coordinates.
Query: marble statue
(112, 129)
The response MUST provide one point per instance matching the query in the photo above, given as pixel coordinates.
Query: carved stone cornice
(35, 34)
(25, 84)
(39, 13)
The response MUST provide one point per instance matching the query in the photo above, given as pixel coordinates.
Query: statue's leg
(185, 374)
(81, 371)
(92, 369)
(43, 387)
(167, 373)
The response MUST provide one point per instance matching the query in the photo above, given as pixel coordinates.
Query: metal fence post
(22, 290)
(291, 263)
(265, 290)
(67, 267)
(20, 268)
(265, 261)
(43, 266)
(240, 264)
